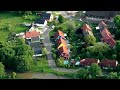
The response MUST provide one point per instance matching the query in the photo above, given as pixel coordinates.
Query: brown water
(36, 75)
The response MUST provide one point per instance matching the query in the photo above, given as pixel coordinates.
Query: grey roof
(35, 39)
(35, 45)
(38, 51)
(40, 21)
(45, 15)
(102, 13)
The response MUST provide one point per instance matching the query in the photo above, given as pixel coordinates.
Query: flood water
(36, 75)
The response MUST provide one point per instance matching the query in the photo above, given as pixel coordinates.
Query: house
(35, 39)
(36, 47)
(40, 23)
(47, 16)
(63, 52)
(88, 61)
(29, 35)
(102, 25)
(107, 37)
(86, 30)
(108, 63)
(61, 41)
(59, 33)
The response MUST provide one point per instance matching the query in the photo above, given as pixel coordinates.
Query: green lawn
(13, 19)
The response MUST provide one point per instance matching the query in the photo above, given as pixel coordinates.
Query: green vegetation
(13, 20)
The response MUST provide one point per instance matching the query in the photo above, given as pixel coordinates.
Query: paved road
(51, 61)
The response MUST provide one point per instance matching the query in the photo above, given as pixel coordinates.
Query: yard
(14, 20)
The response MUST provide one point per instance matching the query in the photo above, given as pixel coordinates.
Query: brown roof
(64, 51)
(86, 27)
(58, 33)
(61, 41)
(31, 34)
(88, 61)
(107, 37)
(108, 63)
(102, 24)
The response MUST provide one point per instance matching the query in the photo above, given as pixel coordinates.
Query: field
(14, 20)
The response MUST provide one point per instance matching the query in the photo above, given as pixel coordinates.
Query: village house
(61, 44)
(105, 64)
(63, 52)
(86, 30)
(40, 23)
(59, 34)
(47, 16)
(88, 61)
(106, 35)
(36, 47)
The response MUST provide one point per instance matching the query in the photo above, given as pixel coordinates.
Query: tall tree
(2, 71)
(90, 39)
(117, 21)
(95, 70)
(82, 74)
(61, 19)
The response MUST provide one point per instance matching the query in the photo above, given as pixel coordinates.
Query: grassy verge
(41, 65)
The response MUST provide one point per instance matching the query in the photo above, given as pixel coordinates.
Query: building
(59, 33)
(102, 25)
(63, 52)
(47, 16)
(101, 14)
(36, 47)
(105, 64)
(61, 44)
(40, 23)
(61, 41)
(106, 35)
(86, 30)
(29, 35)
(88, 61)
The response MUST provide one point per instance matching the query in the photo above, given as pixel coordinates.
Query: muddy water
(36, 75)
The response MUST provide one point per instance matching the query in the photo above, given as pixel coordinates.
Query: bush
(54, 56)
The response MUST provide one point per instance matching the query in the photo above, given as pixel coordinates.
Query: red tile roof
(107, 37)
(31, 34)
(61, 41)
(88, 61)
(108, 63)
(63, 51)
(58, 33)
(86, 27)
(102, 24)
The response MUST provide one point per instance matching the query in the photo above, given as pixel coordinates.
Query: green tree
(95, 70)
(60, 61)
(90, 39)
(113, 75)
(61, 19)
(23, 63)
(117, 21)
(82, 74)
(2, 71)
(13, 75)
(88, 54)
(44, 51)
(20, 41)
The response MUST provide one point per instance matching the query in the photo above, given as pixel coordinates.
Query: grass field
(14, 20)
